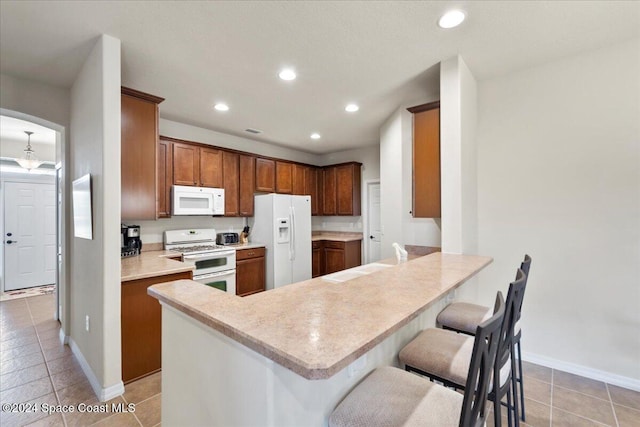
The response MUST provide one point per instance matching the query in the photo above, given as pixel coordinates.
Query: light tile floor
(36, 368)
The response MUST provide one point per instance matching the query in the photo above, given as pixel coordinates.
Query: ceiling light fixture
(287, 74)
(351, 108)
(451, 19)
(30, 161)
(315, 136)
(221, 107)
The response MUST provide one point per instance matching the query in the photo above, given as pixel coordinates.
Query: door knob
(9, 234)
(371, 237)
(11, 241)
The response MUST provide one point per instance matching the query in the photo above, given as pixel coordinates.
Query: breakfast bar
(286, 357)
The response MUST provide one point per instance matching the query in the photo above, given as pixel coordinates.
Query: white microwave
(197, 200)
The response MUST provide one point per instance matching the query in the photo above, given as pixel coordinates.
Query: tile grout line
(584, 394)
(134, 414)
(46, 362)
(551, 402)
(615, 416)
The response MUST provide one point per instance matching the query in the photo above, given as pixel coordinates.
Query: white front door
(374, 232)
(30, 235)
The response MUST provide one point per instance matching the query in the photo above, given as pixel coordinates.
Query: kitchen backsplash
(336, 223)
(152, 231)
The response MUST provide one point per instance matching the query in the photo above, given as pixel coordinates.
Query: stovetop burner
(197, 248)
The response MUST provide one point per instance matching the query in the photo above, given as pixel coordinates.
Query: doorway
(30, 234)
(34, 208)
(373, 230)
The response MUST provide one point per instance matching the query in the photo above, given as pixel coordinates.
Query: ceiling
(12, 129)
(381, 55)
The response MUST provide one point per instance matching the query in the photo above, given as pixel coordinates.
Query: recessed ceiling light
(287, 74)
(351, 108)
(451, 19)
(315, 136)
(221, 107)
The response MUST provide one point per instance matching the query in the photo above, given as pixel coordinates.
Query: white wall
(47, 106)
(458, 157)
(15, 149)
(559, 178)
(95, 264)
(396, 186)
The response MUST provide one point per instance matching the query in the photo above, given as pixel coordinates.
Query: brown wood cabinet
(312, 188)
(329, 256)
(250, 271)
(165, 178)
(196, 166)
(284, 177)
(231, 183)
(316, 258)
(139, 145)
(186, 164)
(329, 191)
(426, 160)
(211, 168)
(298, 179)
(348, 189)
(265, 175)
(341, 189)
(141, 327)
(247, 184)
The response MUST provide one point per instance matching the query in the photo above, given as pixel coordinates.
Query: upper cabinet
(341, 189)
(165, 179)
(313, 187)
(329, 190)
(195, 165)
(139, 142)
(297, 179)
(265, 175)
(426, 160)
(231, 180)
(247, 184)
(284, 177)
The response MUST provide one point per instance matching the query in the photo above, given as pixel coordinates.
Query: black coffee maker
(130, 240)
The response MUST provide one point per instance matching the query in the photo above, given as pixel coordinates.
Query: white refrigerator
(283, 223)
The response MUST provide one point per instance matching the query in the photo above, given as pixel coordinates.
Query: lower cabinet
(250, 271)
(141, 318)
(329, 256)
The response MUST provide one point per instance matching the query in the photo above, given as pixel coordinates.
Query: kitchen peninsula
(286, 357)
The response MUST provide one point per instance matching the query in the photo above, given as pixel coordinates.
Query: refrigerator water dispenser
(282, 225)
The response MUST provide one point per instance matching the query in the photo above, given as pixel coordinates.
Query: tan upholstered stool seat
(440, 352)
(392, 397)
(462, 316)
(445, 354)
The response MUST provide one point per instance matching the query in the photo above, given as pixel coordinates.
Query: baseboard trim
(583, 371)
(103, 394)
(64, 338)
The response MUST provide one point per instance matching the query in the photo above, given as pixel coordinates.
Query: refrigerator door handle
(293, 233)
(290, 233)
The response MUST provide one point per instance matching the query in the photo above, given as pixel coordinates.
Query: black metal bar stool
(444, 356)
(392, 397)
(464, 317)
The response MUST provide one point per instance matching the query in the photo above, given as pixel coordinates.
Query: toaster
(227, 238)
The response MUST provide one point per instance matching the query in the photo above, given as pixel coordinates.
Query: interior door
(30, 235)
(374, 232)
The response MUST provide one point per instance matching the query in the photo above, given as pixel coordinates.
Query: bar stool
(444, 356)
(464, 317)
(392, 397)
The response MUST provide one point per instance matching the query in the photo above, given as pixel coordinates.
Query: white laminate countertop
(151, 264)
(316, 327)
(338, 236)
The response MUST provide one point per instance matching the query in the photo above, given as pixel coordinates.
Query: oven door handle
(212, 275)
(210, 255)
